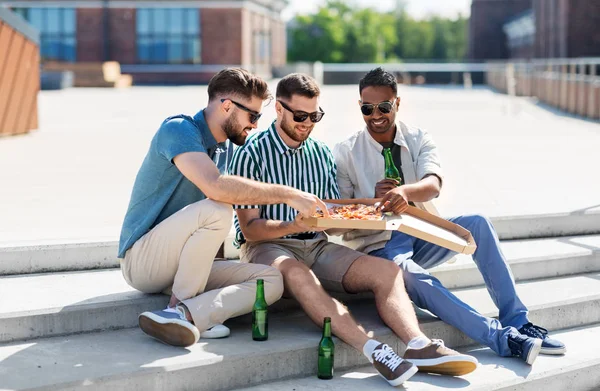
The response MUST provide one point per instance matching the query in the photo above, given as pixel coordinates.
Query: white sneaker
(217, 331)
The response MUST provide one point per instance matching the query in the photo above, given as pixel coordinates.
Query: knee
(477, 224)
(222, 214)
(295, 274)
(223, 211)
(478, 220)
(385, 274)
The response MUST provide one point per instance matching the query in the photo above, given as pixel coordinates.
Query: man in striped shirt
(275, 235)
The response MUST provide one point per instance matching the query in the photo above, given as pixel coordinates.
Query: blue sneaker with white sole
(525, 347)
(549, 345)
(169, 326)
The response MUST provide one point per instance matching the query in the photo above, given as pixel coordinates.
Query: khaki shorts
(329, 261)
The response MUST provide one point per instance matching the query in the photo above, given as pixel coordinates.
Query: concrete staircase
(68, 321)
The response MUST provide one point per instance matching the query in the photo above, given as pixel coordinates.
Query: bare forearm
(234, 189)
(263, 229)
(425, 190)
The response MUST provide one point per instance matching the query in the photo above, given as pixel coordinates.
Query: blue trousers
(415, 255)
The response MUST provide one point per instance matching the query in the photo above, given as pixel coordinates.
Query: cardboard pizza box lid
(413, 221)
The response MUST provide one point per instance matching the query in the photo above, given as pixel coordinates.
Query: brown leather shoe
(391, 366)
(437, 358)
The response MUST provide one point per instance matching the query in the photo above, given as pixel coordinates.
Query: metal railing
(571, 85)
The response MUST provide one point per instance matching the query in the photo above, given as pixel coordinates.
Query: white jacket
(360, 165)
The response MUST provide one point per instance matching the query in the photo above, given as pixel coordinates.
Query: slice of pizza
(353, 212)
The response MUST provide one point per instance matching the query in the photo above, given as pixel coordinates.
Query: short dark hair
(378, 77)
(297, 84)
(237, 81)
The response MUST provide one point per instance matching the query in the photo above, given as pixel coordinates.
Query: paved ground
(502, 157)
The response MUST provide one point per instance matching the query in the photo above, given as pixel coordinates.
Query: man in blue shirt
(180, 212)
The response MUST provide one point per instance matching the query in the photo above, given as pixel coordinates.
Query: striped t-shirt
(266, 158)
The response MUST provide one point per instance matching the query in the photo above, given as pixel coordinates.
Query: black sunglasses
(301, 116)
(254, 115)
(384, 108)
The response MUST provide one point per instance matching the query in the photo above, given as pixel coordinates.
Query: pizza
(352, 212)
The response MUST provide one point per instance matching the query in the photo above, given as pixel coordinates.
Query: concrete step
(579, 369)
(580, 222)
(129, 360)
(530, 259)
(65, 303)
(55, 256)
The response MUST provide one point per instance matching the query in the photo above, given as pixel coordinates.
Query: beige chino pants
(178, 256)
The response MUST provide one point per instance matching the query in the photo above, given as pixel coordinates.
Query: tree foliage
(340, 32)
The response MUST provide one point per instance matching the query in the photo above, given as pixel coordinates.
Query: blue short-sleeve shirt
(160, 189)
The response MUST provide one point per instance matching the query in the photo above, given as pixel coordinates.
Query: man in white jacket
(360, 174)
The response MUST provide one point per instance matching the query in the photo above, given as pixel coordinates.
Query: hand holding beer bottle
(326, 352)
(260, 322)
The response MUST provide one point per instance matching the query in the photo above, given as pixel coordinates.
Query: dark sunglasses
(254, 116)
(301, 116)
(384, 108)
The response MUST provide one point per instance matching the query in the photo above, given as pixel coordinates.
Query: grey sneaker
(170, 327)
(391, 366)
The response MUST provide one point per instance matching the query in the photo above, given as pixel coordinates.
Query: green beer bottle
(391, 172)
(260, 323)
(326, 352)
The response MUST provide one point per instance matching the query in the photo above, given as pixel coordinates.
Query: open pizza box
(413, 221)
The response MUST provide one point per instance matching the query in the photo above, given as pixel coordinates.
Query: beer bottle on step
(326, 352)
(260, 323)
(391, 172)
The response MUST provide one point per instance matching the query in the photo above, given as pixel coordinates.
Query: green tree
(318, 37)
(370, 36)
(457, 45)
(441, 37)
(415, 39)
(341, 32)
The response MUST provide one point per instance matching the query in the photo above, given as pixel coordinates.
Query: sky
(417, 8)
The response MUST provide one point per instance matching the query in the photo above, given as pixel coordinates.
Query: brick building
(174, 41)
(534, 29)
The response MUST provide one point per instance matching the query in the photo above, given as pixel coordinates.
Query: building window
(168, 35)
(520, 31)
(57, 27)
(262, 47)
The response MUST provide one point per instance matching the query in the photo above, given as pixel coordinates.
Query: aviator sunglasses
(301, 116)
(383, 107)
(254, 116)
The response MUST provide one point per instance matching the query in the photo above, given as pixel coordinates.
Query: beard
(232, 130)
(291, 132)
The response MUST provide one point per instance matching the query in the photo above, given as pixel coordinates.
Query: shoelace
(515, 343)
(538, 331)
(438, 342)
(181, 312)
(387, 357)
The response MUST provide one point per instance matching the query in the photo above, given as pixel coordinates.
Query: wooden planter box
(19, 74)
